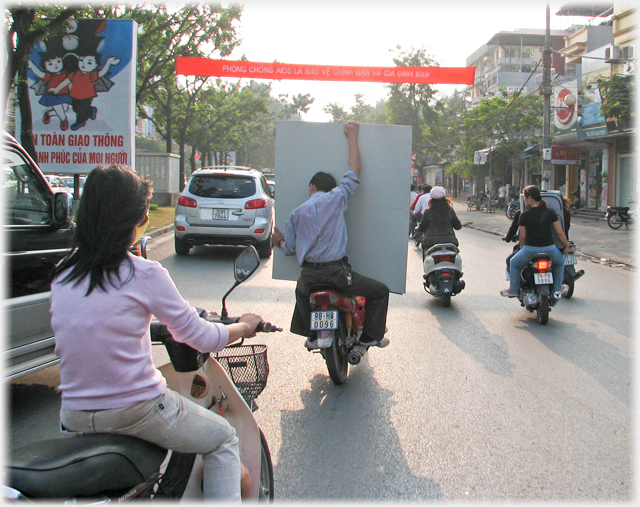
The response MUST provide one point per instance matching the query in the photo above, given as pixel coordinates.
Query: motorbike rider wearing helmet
(316, 233)
(535, 236)
(102, 301)
(439, 221)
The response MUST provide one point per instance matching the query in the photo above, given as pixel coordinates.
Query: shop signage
(565, 155)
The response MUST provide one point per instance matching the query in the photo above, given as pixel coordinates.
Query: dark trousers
(377, 294)
(82, 108)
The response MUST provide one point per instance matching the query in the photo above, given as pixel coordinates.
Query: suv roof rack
(225, 168)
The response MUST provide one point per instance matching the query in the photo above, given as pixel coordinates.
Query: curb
(159, 231)
(588, 257)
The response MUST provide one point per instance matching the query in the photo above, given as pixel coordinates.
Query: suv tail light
(187, 202)
(256, 204)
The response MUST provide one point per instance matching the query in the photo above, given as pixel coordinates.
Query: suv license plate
(220, 214)
(570, 259)
(324, 320)
(543, 278)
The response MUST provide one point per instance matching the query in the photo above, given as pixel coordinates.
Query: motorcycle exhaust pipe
(355, 354)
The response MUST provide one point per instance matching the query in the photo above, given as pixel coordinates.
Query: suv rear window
(224, 186)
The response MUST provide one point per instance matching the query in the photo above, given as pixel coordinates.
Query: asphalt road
(476, 402)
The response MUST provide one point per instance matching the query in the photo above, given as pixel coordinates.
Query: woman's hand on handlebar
(245, 327)
(252, 320)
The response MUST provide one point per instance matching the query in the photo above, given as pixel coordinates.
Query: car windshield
(223, 186)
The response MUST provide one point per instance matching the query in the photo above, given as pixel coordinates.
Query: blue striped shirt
(316, 230)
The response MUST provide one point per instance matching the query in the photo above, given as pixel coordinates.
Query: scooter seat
(443, 246)
(83, 466)
(621, 209)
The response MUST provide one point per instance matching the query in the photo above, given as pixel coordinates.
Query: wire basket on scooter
(247, 368)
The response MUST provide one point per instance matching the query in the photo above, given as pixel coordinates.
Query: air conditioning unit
(627, 52)
(612, 53)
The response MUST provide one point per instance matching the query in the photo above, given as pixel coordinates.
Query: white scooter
(443, 272)
(103, 468)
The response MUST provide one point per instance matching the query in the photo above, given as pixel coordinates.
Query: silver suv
(225, 205)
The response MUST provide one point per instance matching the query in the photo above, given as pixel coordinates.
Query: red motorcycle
(336, 326)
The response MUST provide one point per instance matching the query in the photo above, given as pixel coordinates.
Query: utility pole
(546, 94)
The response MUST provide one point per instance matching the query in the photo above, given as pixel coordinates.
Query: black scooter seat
(621, 209)
(82, 466)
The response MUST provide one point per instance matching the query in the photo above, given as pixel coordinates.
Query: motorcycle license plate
(570, 259)
(543, 278)
(324, 320)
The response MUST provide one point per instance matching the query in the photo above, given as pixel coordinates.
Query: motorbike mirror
(143, 246)
(246, 264)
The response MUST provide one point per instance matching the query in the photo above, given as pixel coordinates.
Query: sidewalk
(594, 239)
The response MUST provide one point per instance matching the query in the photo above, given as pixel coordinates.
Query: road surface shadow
(343, 446)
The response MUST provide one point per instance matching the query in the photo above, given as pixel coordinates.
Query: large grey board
(378, 216)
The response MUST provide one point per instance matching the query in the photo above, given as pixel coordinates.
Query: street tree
(168, 31)
(360, 112)
(503, 124)
(414, 104)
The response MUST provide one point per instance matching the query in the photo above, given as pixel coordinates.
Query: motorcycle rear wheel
(446, 299)
(265, 489)
(542, 310)
(336, 356)
(615, 221)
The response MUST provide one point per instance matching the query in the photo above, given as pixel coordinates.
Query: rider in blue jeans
(535, 232)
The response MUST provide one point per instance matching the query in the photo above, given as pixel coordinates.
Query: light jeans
(519, 261)
(173, 422)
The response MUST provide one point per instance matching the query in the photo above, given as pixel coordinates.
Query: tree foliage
(617, 92)
(360, 112)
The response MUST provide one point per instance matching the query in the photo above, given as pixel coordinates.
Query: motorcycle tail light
(444, 258)
(543, 265)
(187, 202)
(324, 298)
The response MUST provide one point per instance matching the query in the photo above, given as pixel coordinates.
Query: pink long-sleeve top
(103, 339)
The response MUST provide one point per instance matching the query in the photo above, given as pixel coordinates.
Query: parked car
(57, 184)
(38, 230)
(225, 205)
(69, 181)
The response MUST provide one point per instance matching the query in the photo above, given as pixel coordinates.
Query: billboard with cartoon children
(82, 85)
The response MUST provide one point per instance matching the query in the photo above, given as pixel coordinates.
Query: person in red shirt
(83, 90)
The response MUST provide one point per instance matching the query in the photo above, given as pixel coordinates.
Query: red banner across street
(254, 70)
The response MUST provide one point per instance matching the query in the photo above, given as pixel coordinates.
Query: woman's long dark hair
(114, 200)
(534, 192)
(440, 211)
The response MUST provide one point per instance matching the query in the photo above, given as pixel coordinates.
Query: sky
(366, 33)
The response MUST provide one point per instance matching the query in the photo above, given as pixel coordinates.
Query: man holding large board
(316, 233)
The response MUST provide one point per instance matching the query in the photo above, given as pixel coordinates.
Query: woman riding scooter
(535, 236)
(102, 300)
(439, 221)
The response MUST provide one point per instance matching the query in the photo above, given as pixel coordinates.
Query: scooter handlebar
(263, 327)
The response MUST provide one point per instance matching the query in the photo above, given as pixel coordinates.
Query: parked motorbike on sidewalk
(570, 273)
(336, 324)
(443, 272)
(511, 208)
(618, 215)
(102, 468)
